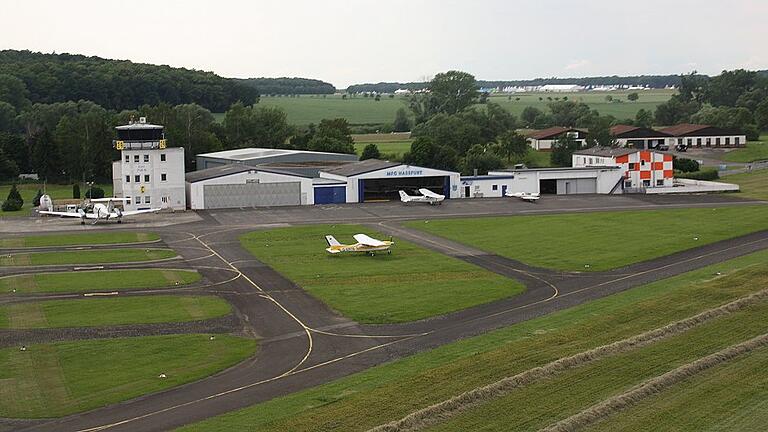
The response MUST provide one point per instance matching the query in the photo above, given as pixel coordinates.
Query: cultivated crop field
(599, 241)
(410, 284)
(57, 192)
(393, 390)
(308, 109)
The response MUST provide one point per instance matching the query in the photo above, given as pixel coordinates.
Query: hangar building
(268, 156)
(560, 181)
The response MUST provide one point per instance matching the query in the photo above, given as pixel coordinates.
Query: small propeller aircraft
(426, 196)
(103, 209)
(364, 244)
(525, 196)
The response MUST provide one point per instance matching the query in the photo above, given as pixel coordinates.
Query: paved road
(304, 344)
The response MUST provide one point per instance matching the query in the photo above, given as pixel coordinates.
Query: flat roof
(216, 172)
(510, 171)
(362, 167)
(259, 153)
(610, 151)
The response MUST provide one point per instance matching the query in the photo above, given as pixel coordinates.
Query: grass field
(103, 280)
(388, 149)
(359, 110)
(602, 241)
(107, 311)
(755, 150)
(411, 284)
(85, 257)
(78, 239)
(29, 190)
(752, 185)
(392, 390)
(51, 380)
(705, 402)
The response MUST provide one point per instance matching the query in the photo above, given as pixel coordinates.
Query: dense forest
(117, 84)
(283, 86)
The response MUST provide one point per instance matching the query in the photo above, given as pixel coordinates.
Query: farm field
(101, 311)
(755, 150)
(307, 109)
(56, 379)
(752, 185)
(79, 239)
(85, 257)
(395, 389)
(551, 241)
(29, 190)
(410, 284)
(97, 280)
(388, 149)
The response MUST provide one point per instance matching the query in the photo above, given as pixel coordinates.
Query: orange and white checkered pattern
(647, 168)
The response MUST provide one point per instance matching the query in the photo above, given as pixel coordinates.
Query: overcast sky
(347, 42)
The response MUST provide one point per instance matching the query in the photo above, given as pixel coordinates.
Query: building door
(503, 190)
(466, 192)
(568, 190)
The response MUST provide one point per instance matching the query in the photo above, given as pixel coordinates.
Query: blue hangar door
(331, 195)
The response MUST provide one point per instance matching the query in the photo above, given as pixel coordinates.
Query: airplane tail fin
(332, 241)
(404, 196)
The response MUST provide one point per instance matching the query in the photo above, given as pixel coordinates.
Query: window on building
(127, 179)
(127, 158)
(646, 182)
(727, 140)
(628, 183)
(137, 178)
(146, 199)
(495, 187)
(146, 178)
(162, 157)
(135, 158)
(660, 182)
(717, 141)
(128, 201)
(698, 142)
(709, 142)
(137, 200)
(164, 199)
(680, 141)
(146, 158)
(736, 140)
(690, 142)
(163, 177)
(642, 162)
(632, 165)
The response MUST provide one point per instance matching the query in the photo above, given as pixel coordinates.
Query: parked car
(662, 147)
(681, 147)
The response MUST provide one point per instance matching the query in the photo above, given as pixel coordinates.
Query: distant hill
(119, 84)
(283, 86)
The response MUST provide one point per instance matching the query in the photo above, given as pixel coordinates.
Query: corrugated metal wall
(252, 195)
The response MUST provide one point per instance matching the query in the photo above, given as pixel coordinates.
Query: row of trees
(289, 86)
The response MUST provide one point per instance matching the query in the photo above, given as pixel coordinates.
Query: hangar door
(576, 186)
(331, 195)
(252, 195)
(385, 189)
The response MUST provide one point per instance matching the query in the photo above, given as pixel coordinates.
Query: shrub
(36, 200)
(710, 174)
(371, 151)
(12, 205)
(94, 192)
(685, 165)
(76, 191)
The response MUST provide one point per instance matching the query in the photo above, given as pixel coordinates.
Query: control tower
(149, 173)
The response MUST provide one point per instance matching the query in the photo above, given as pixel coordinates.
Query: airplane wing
(429, 194)
(368, 241)
(68, 214)
(136, 212)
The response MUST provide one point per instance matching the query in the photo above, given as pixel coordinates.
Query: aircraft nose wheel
(389, 252)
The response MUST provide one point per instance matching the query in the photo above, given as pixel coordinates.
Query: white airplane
(525, 196)
(102, 211)
(426, 196)
(364, 244)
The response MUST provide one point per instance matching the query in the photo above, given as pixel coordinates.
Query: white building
(639, 168)
(149, 173)
(544, 139)
(696, 135)
(560, 181)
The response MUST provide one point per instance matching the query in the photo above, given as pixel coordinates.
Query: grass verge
(103, 280)
(755, 150)
(392, 390)
(79, 239)
(599, 241)
(751, 185)
(85, 257)
(29, 190)
(52, 380)
(106, 311)
(411, 284)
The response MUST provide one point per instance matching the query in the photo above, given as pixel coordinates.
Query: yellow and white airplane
(364, 244)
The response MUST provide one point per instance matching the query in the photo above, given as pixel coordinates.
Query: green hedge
(710, 174)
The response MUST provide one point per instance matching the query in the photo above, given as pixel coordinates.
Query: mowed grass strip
(410, 284)
(755, 150)
(393, 390)
(599, 241)
(751, 185)
(106, 311)
(86, 257)
(101, 280)
(79, 239)
(731, 397)
(52, 380)
(549, 401)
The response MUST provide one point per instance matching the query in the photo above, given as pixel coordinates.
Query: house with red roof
(702, 136)
(638, 137)
(544, 139)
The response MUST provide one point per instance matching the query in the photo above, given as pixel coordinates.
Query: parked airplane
(426, 196)
(102, 211)
(364, 244)
(525, 196)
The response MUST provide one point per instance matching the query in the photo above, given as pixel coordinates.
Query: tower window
(135, 158)
(162, 157)
(127, 179)
(146, 178)
(163, 177)
(146, 199)
(146, 158)
(137, 178)
(127, 158)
